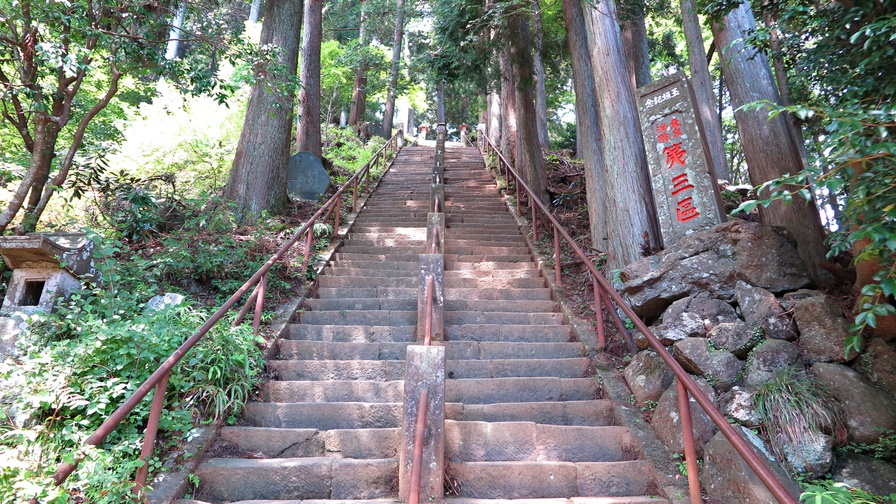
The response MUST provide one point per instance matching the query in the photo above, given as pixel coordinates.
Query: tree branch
(21, 123)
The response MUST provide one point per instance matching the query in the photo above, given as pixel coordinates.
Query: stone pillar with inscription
(685, 190)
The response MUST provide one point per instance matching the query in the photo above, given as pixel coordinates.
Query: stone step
(414, 257)
(513, 332)
(519, 441)
(639, 499)
(349, 333)
(387, 271)
(408, 317)
(264, 442)
(224, 479)
(384, 370)
(593, 412)
(519, 480)
(449, 264)
(334, 391)
(455, 350)
(451, 293)
(324, 415)
(452, 305)
(527, 390)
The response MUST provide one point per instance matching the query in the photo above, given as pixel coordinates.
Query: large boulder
(726, 477)
(823, 330)
(869, 474)
(712, 261)
(878, 364)
(738, 337)
(737, 404)
(869, 410)
(760, 308)
(711, 310)
(686, 325)
(810, 455)
(666, 420)
(648, 376)
(767, 359)
(720, 367)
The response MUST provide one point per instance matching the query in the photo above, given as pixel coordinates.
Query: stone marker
(307, 178)
(685, 191)
(425, 371)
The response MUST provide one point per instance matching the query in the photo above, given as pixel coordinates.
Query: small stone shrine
(307, 179)
(44, 269)
(685, 190)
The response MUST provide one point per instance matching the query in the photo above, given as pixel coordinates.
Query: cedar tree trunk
(308, 130)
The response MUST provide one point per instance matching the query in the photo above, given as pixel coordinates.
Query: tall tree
(359, 90)
(397, 37)
(529, 157)
(255, 11)
(632, 227)
(258, 177)
(541, 94)
(508, 105)
(701, 81)
(588, 122)
(308, 130)
(61, 65)
(635, 42)
(769, 147)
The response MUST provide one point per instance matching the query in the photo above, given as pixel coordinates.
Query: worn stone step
(414, 257)
(225, 479)
(490, 317)
(347, 303)
(638, 499)
(266, 442)
(307, 391)
(450, 282)
(454, 264)
(537, 389)
(585, 412)
(513, 332)
(518, 441)
(337, 270)
(458, 369)
(376, 370)
(352, 333)
(324, 415)
(518, 480)
(455, 350)
(361, 317)
(542, 293)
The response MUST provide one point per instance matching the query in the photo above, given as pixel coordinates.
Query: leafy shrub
(81, 362)
(829, 492)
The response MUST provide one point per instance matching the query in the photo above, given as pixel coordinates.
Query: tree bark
(588, 136)
(508, 106)
(308, 130)
(359, 92)
(529, 157)
(254, 11)
(632, 227)
(397, 36)
(440, 102)
(541, 94)
(634, 41)
(701, 82)
(258, 177)
(493, 118)
(175, 34)
(769, 147)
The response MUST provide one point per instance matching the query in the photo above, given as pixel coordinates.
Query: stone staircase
(524, 418)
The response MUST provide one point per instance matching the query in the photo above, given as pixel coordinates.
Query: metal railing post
(152, 430)
(687, 431)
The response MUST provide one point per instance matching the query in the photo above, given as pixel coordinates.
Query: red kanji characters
(674, 155)
(676, 127)
(686, 210)
(662, 133)
(680, 183)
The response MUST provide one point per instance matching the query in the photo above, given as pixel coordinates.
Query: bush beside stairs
(524, 417)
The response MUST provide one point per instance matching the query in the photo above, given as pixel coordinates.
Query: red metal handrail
(158, 380)
(686, 384)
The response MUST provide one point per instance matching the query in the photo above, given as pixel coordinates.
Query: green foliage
(80, 363)
(884, 449)
(830, 492)
(845, 90)
(792, 406)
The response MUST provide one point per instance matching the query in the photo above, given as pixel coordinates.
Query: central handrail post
(432, 268)
(690, 450)
(435, 231)
(424, 388)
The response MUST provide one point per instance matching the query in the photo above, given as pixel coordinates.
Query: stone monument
(685, 191)
(307, 179)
